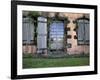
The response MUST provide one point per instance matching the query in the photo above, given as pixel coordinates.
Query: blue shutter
(87, 31)
(28, 30)
(83, 31)
(80, 30)
(42, 33)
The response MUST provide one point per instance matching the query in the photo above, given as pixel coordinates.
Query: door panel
(42, 34)
(56, 35)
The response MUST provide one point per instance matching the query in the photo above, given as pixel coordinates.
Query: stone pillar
(71, 42)
(71, 33)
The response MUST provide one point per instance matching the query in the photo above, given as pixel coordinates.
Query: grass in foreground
(58, 62)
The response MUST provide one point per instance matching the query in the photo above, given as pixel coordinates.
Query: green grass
(51, 62)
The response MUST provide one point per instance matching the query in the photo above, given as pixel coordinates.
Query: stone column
(71, 33)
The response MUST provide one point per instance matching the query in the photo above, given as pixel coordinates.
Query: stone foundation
(29, 49)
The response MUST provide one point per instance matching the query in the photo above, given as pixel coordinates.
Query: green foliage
(59, 62)
(30, 55)
(27, 55)
(33, 14)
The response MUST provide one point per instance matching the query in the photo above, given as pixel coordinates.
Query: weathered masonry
(67, 32)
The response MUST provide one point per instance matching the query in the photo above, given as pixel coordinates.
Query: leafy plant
(33, 14)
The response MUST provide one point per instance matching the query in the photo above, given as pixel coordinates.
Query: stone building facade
(73, 41)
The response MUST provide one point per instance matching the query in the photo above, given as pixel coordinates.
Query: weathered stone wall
(29, 49)
(75, 48)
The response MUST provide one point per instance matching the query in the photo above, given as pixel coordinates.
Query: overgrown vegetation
(59, 62)
(30, 55)
(31, 61)
(33, 14)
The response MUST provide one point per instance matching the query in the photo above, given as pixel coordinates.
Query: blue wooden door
(56, 35)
